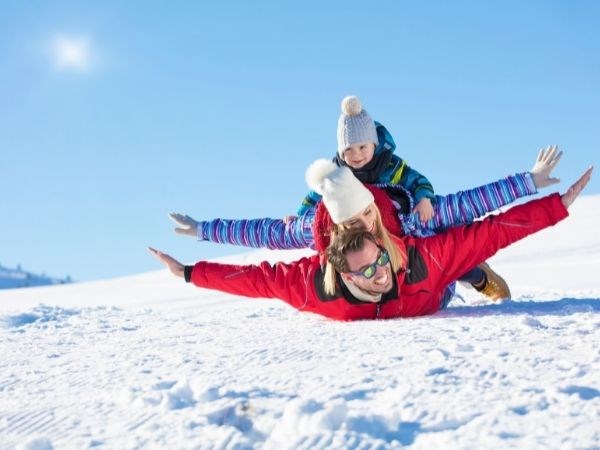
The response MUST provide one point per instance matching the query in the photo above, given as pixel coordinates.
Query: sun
(71, 53)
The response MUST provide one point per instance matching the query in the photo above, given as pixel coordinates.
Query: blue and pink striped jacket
(450, 210)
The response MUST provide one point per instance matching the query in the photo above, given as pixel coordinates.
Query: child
(367, 148)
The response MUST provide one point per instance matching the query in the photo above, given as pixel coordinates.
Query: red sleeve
(462, 248)
(292, 283)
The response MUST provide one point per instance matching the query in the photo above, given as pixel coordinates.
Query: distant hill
(18, 278)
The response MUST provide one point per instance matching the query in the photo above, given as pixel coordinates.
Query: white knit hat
(344, 196)
(354, 125)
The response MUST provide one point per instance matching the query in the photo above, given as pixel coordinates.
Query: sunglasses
(369, 271)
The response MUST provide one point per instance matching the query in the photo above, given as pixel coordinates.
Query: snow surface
(149, 362)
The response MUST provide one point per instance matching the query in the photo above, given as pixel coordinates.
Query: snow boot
(495, 287)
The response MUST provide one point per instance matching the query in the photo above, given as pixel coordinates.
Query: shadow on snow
(563, 307)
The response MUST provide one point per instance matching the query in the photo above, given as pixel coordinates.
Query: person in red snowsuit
(411, 286)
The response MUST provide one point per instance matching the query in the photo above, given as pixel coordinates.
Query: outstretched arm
(461, 248)
(464, 207)
(288, 282)
(257, 233)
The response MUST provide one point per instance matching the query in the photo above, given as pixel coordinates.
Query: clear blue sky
(115, 113)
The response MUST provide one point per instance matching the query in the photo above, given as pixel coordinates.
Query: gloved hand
(188, 226)
(547, 159)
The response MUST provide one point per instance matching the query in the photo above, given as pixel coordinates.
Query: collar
(371, 172)
(352, 294)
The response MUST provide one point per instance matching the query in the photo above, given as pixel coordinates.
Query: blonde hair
(344, 239)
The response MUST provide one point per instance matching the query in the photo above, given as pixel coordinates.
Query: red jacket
(432, 264)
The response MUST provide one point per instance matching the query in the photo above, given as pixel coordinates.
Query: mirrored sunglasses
(371, 269)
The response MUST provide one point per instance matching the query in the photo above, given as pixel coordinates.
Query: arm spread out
(461, 248)
(291, 282)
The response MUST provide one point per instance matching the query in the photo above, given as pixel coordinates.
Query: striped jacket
(311, 228)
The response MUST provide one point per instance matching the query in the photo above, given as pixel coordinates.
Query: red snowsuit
(432, 264)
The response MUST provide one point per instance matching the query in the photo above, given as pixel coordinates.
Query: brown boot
(495, 287)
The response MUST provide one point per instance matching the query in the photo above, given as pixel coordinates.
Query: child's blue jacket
(386, 168)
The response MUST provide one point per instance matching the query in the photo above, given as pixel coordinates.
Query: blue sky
(115, 114)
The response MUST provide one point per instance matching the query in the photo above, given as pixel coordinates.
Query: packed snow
(148, 361)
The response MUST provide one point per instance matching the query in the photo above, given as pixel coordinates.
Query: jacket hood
(386, 141)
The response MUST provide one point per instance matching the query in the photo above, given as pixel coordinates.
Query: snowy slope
(18, 278)
(149, 362)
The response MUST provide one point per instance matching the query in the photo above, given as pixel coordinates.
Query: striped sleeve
(260, 233)
(464, 207)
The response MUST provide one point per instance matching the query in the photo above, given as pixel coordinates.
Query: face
(381, 282)
(359, 154)
(364, 220)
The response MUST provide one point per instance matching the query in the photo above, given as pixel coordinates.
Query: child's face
(359, 154)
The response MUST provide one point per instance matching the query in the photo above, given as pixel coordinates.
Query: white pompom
(351, 105)
(317, 172)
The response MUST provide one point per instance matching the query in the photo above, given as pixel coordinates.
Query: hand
(425, 209)
(189, 226)
(546, 161)
(172, 264)
(573, 192)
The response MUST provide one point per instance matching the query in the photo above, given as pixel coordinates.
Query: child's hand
(425, 209)
(288, 219)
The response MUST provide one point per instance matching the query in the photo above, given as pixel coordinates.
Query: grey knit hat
(354, 125)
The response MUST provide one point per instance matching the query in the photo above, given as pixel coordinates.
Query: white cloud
(71, 53)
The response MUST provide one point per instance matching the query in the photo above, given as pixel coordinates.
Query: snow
(147, 361)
